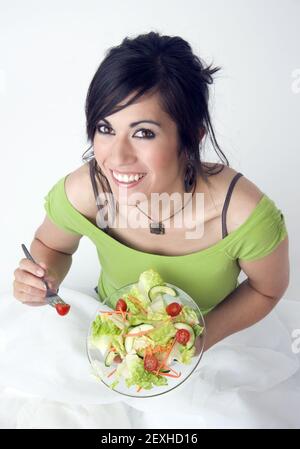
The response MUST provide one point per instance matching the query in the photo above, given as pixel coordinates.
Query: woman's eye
(151, 136)
(100, 126)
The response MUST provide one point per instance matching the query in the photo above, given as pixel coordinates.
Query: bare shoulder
(80, 192)
(244, 198)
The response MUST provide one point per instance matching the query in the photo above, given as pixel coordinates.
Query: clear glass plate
(97, 360)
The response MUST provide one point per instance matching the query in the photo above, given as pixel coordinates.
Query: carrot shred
(160, 348)
(175, 372)
(170, 375)
(139, 389)
(138, 334)
(166, 357)
(137, 302)
(112, 372)
(118, 312)
(148, 350)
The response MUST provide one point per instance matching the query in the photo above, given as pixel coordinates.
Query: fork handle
(29, 256)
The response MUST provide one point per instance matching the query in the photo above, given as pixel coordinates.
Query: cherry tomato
(183, 336)
(62, 309)
(118, 359)
(150, 362)
(173, 309)
(121, 305)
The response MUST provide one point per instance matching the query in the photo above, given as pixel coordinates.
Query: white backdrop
(49, 52)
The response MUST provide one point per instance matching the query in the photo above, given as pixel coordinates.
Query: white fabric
(249, 380)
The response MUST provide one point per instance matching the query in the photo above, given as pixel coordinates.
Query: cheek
(160, 161)
(101, 152)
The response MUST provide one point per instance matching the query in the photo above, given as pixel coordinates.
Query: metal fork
(51, 298)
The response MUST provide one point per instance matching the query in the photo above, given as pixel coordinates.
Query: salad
(148, 330)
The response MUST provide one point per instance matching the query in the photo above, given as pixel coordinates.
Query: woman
(147, 116)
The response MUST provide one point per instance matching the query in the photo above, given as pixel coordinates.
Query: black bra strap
(226, 203)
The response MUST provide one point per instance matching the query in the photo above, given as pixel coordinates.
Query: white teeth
(127, 178)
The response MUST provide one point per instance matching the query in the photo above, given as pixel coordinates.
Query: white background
(49, 52)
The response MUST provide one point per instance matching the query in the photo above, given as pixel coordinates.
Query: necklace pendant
(157, 228)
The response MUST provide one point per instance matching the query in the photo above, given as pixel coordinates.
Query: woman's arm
(253, 299)
(55, 247)
(58, 263)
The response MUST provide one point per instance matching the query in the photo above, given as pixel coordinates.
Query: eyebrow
(133, 124)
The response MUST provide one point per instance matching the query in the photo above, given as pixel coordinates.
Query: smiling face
(147, 149)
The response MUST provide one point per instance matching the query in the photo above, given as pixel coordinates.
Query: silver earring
(88, 155)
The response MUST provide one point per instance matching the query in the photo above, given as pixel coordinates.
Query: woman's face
(146, 149)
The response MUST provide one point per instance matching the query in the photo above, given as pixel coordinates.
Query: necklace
(158, 227)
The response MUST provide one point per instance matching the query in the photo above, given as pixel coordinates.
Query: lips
(126, 173)
(126, 184)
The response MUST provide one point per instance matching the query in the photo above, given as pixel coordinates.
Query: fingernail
(44, 287)
(39, 272)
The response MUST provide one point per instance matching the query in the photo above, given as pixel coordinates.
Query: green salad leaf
(185, 355)
(145, 379)
(102, 325)
(163, 334)
(118, 343)
(188, 316)
(149, 279)
(198, 329)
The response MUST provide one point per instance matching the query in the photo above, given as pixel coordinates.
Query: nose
(122, 154)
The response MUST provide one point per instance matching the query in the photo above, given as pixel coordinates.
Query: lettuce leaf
(149, 279)
(185, 355)
(188, 316)
(163, 334)
(143, 378)
(104, 326)
(198, 329)
(118, 343)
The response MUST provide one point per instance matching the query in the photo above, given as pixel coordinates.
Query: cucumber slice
(110, 358)
(129, 341)
(140, 344)
(191, 341)
(174, 354)
(118, 322)
(158, 305)
(140, 353)
(161, 290)
(141, 328)
(103, 343)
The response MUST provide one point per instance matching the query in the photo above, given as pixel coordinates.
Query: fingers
(43, 265)
(31, 267)
(29, 289)
(26, 298)
(28, 285)
(26, 278)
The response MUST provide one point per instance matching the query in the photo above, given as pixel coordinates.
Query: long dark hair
(154, 63)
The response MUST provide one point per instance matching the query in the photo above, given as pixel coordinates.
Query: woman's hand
(28, 286)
